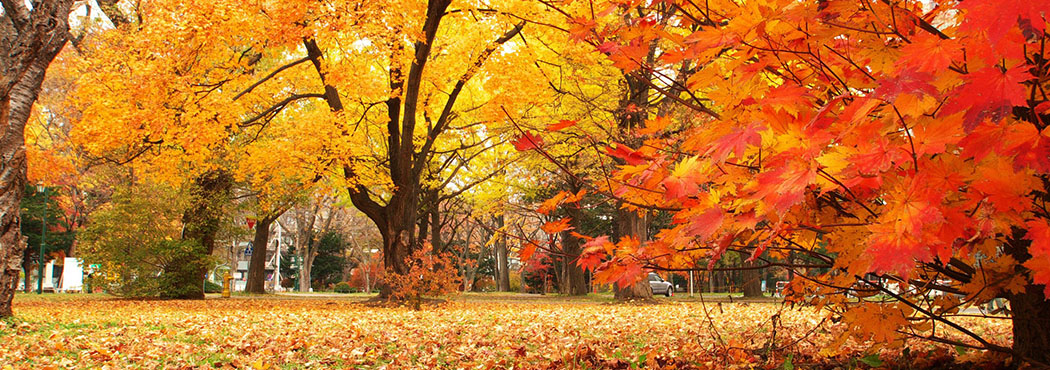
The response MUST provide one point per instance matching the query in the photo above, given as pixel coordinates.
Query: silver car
(658, 285)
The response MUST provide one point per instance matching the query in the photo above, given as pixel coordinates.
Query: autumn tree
(321, 216)
(416, 117)
(193, 123)
(30, 38)
(903, 139)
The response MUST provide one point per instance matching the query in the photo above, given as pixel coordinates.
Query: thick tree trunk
(630, 224)
(12, 185)
(185, 274)
(575, 280)
(1031, 319)
(32, 40)
(1031, 309)
(752, 281)
(28, 278)
(503, 275)
(257, 264)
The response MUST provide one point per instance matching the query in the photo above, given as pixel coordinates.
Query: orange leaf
(527, 250)
(552, 203)
(557, 226)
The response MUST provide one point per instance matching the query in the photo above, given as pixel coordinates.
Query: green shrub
(343, 287)
(136, 243)
(212, 287)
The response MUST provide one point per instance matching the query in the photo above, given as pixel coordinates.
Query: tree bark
(752, 284)
(34, 38)
(202, 220)
(503, 275)
(1031, 308)
(28, 279)
(305, 271)
(257, 264)
(575, 280)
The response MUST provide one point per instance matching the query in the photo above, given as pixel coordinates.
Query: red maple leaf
(705, 224)
(890, 252)
(560, 125)
(1039, 234)
(909, 81)
(631, 156)
(593, 253)
(988, 93)
(631, 274)
(736, 142)
(527, 141)
(929, 53)
(997, 17)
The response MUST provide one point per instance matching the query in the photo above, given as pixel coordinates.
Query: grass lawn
(469, 331)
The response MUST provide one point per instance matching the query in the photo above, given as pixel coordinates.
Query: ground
(469, 331)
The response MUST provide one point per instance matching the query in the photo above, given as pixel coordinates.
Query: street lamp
(43, 236)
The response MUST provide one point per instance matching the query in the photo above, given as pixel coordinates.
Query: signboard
(72, 275)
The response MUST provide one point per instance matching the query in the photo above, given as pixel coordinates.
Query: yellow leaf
(260, 365)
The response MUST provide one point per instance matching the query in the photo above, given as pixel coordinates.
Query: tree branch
(269, 76)
(276, 108)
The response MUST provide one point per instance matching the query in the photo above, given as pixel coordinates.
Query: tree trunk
(257, 264)
(503, 275)
(368, 281)
(631, 114)
(1031, 309)
(435, 223)
(630, 224)
(1031, 321)
(32, 40)
(28, 279)
(307, 254)
(304, 275)
(184, 274)
(575, 281)
(752, 284)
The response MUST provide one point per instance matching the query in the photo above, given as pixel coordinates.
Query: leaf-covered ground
(338, 333)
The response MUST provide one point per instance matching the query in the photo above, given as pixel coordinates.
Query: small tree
(135, 238)
(428, 274)
(328, 265)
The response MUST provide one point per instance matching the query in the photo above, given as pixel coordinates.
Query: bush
(212, 287)
(428, 275)
(515, 282)
(136, 242)
(485, 284)
(343, 287)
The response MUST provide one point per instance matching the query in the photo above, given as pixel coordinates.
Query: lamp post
(43, 236)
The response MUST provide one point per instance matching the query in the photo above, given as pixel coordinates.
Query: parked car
(660, 286)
